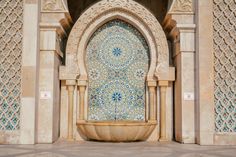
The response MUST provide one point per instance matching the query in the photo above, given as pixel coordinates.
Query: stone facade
(185, 79)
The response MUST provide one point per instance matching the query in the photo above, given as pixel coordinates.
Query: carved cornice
(53, 5)
(181, 6)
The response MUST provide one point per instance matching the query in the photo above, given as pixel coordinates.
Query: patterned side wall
(11, 21)
(225, 65)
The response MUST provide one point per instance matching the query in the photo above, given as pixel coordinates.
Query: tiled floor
(96, 149)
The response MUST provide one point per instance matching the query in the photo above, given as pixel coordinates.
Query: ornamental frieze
(53, 5)
(182, 6)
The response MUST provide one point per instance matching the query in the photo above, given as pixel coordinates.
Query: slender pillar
(82, 87)
(81, 107)
(70, 88)
(163, 86)
(152, 97)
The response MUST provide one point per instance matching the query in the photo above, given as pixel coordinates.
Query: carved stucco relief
(181, 6)
(131, 8)
(54, 5)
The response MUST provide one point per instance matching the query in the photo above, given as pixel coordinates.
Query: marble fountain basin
(116, 131)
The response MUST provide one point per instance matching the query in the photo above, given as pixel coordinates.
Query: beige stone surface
(204, 73)
(9, 137)
(30, 58)
(28, 81)
(28, 119)
(225, 138)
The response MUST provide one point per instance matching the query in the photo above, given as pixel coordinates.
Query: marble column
(152, 97)
(70, 87)
(163, 86)
(80, 107)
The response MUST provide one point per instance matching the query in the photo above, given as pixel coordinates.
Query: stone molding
(129, 11)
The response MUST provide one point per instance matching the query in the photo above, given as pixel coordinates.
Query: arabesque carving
(182, 6)
(53, 5)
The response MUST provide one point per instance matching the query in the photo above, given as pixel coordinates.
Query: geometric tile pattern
(11, 21)
(117, 64)
(225, 65)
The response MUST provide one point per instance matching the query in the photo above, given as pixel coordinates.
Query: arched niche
(129, 11)
(75, 70)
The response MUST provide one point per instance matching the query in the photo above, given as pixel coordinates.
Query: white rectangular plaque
(188, 96)
(45, 95)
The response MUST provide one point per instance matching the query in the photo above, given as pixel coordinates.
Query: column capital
(152, 83)
(163, 83)
(70, 82)
(82, 82)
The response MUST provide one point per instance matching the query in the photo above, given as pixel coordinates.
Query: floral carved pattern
(52, 5)
(182, 6)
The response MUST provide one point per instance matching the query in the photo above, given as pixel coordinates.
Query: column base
(163, 140)
(70, 139)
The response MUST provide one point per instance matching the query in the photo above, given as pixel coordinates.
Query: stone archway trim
(128, 7)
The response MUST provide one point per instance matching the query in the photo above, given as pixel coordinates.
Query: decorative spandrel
(11, 21)
(117, 64)
(225, 65)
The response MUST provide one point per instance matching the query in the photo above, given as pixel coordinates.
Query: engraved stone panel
(182, 6)
(225, 65)
(11, 21)
(117, 64)
(52, 5)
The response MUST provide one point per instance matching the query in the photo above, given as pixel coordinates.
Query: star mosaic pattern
(11, 24)
(117, 64)
(225, 65)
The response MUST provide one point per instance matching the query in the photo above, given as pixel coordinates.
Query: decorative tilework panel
(11, 21)
(117, 64)
(225, 65)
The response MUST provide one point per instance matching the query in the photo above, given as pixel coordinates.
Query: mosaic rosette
(117, 63)
(97, 73)
(137, 73)
(122, 54)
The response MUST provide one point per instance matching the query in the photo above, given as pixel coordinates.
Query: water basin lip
(118, 123)
(116, 131)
